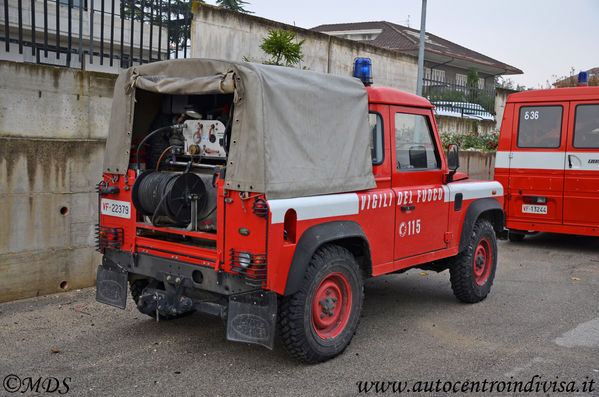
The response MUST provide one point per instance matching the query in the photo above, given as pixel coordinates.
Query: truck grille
(251, 266)
(108, 237)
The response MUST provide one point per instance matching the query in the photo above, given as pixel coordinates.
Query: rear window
(540, 126)
(586, 127)
(375, 122)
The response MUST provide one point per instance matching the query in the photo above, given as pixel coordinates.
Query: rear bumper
(553, 228)
(250, 312)
(191, 276)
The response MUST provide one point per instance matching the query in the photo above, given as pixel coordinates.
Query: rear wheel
(318, 322)
(473, 270)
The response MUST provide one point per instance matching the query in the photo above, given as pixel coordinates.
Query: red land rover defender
(266, 195)
(548, 161)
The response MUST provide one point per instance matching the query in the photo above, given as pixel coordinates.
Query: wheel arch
(347, 234)
(486, 208)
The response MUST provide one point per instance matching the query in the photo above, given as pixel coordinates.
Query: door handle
(569, 161)
(407, 207)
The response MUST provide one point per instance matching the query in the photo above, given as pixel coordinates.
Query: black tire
(137, 288)
(334, 275)
(515, 236)
(473, 270)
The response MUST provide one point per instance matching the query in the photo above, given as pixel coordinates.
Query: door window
(586, 127)
(540, 126)
(414, 143)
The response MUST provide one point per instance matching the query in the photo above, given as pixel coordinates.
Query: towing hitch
(162, 303)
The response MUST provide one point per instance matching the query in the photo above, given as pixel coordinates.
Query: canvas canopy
(295, 132)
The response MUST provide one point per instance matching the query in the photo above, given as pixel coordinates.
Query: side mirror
(453, 157)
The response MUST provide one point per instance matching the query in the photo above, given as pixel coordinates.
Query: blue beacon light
(583, 79)
(363, 70)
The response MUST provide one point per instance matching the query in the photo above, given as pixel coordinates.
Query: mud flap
(252, 318)
(111, 284)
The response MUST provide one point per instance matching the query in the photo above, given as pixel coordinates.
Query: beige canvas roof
(295, 132)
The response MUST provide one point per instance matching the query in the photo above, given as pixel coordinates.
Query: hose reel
(171, 195)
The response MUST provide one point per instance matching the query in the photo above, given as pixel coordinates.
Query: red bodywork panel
(564, 178)
(390, 96)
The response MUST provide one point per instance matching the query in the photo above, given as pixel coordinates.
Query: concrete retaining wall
(501, 95)
(478, 165)
(447, 124)
(222, 34)
(53, 126)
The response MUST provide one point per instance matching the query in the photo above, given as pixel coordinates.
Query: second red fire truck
(548, 161)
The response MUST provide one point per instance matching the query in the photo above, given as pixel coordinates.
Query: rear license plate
(121, 209)
(534, 209)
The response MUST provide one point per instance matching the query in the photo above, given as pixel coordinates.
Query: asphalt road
(541, 318)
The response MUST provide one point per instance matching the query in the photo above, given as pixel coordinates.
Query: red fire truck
(266, 195)
(548, 161)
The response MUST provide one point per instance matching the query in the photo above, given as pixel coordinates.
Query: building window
(461, 79)
(438, 75)
(481, 83)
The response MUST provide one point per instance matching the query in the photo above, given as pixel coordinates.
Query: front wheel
(318, 322)
(473, 270)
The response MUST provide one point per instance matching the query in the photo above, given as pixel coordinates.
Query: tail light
(108, 237)
(251, 266)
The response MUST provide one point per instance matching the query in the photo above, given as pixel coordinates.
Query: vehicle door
(421, 213)
(581, 180)
(536, 182)
(377, 205)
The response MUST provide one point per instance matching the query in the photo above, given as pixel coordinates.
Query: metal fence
(76, 33)
(460, 101)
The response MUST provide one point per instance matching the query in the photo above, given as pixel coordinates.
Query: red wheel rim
(331, 305)
(483, 258)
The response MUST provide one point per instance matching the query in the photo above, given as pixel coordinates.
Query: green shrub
(472, 140)
(282, 47)
(447, 95)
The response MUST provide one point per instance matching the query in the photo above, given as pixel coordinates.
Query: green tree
(157, 12)
(508, 84)
(472, 78)
(472, 84)
(282, 48)
(233, 5)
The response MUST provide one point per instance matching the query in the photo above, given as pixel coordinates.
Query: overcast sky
(544, 38)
